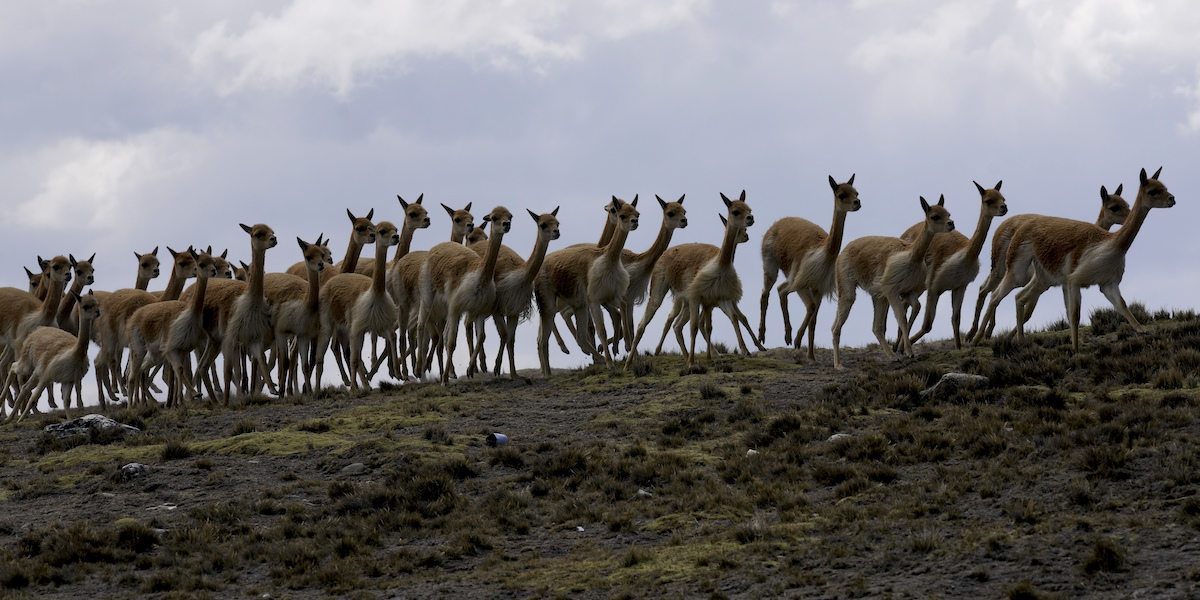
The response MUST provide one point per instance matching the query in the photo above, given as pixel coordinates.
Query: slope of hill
(1066, 476)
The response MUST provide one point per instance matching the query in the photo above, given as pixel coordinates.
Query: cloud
(1046, 47)
(338, 44)
(1191, 124)
(97, 184)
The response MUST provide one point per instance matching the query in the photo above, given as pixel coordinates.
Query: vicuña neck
(67, 304)
(174, 286)
(613, 250)
(53, 297)
(920, 246)
(256, 272)
(406, 236)
(728, 245)
(142, 282)
(198, 299)
(1129, 229)
(833, 243)
(493, 253)
(534, 264)
(606, 234)
(975, 247)
(312, 300)
(661, 243)
(379, 275)
(85, 336)
(352, 252)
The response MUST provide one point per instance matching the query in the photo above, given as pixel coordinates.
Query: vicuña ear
(71, 257)
(942, 200)
(92, 258)
(194, 254)
(742, 198)
(851, 180)
(924, 205)
(174, 253)
(351, 215)
(1120, 186)
(303, 244)
(724, 221)
(1142, 177)
(225, 254)
(661, 202)
(532, 214)
(245, 227)
(468, 206)
(420, 198)
(1157, 173)
(998, 184)
(404, 204)
(680, 200)
(635, 198)
(1103, 194)
(154, 251)
(371, 214)
(727, 201)
(555, 211)
(833, 183)
(979, 187)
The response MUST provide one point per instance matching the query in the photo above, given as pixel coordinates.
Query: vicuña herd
(414, 302)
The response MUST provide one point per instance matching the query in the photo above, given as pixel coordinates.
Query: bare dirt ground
(1069, 476)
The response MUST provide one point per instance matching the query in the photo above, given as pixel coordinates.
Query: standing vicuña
(456, 284)
(954, 262)
(807, 255)
(50, 355)
(1113, 211)
(892, 271)
(1050, 252)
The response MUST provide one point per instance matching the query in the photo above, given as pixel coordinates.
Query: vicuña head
(462, 223)
(845, 197)
(415, 215)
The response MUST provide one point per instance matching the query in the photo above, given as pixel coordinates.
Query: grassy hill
(1067, 476)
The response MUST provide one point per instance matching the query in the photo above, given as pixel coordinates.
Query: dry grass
(1073, 475)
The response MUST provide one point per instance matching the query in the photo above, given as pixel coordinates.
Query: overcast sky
(133, 125)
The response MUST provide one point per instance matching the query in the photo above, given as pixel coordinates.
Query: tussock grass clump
(1025, 591)
(244, 426)
(1103, 459)
(1169, 379)
(710, 391)
(1105, 557)
(1107, 320)
(792, 427)
(643, 367)
(926, 540)
(1081, 493)
(507, 455)
(437, 434)
(634, 556)
(176, 449)
(315, 426)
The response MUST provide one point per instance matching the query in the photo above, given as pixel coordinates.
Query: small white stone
(579, 528)
(838, 436)
(751, 452)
